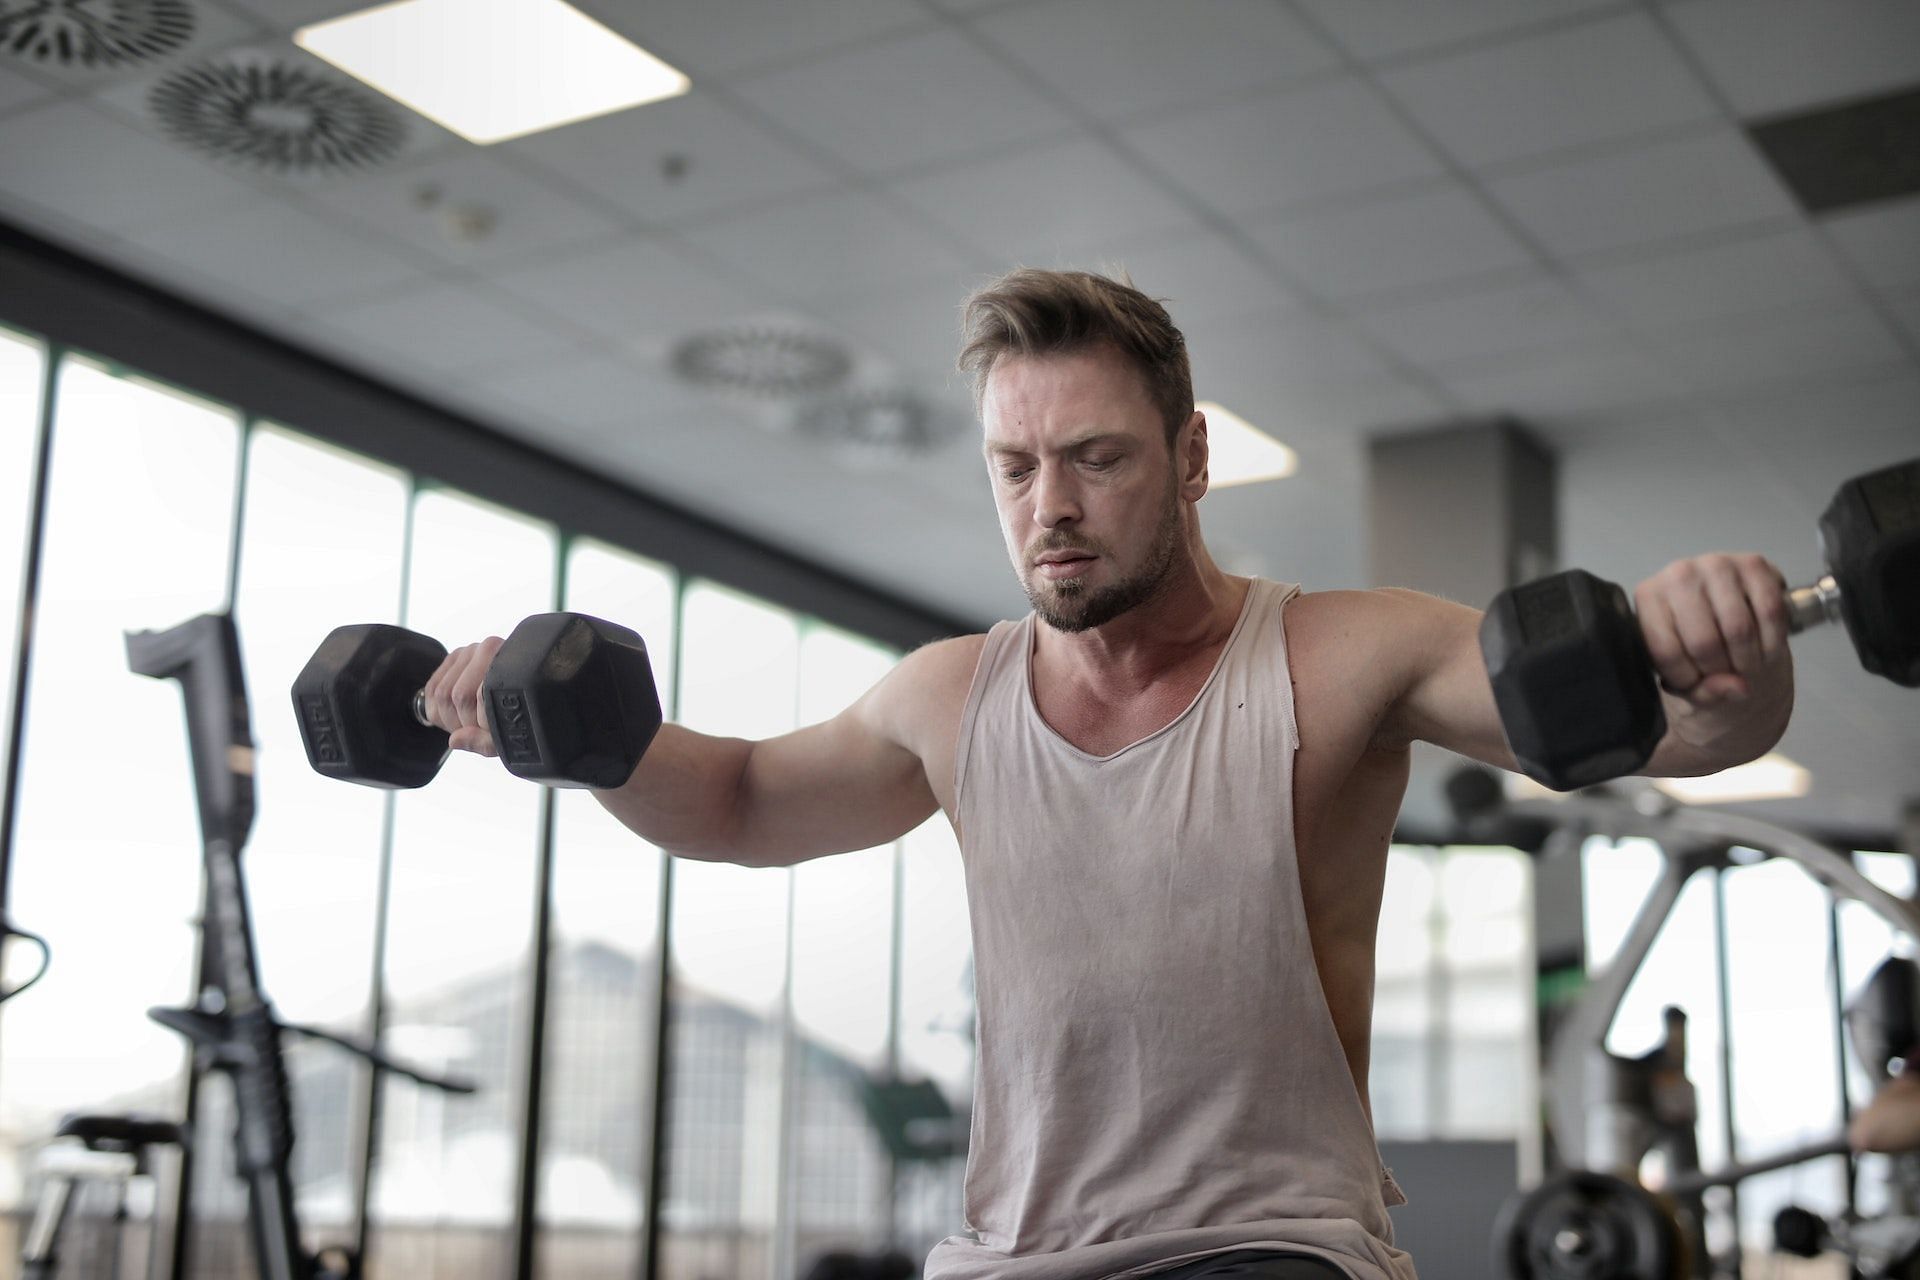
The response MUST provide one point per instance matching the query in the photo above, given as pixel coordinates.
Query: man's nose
(1055, 499)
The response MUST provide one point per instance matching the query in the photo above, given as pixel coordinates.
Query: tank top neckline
(1031, 639)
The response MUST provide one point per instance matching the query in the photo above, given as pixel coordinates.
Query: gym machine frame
(1596, 1120)
(232, 1024)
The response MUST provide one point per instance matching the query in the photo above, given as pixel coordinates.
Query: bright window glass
(139, 520)
(463, 886)
(22, 373)
(603, 976)
(842, 994)
(936, 1021)
(321, 540)
(740, 663)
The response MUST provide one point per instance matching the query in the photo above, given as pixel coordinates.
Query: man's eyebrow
(1088, 441)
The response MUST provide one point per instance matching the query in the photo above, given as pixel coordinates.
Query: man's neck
(1127, 656)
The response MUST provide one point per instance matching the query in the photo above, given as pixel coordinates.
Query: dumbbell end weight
(355, 701)
(571, 701)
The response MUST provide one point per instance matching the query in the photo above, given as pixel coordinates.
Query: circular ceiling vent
(762, 361)
(875, 425)
(94, 33)
(275, 116)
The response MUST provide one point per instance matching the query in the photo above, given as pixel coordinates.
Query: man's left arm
(1715, 626)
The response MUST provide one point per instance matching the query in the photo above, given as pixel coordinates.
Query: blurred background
(285, 338)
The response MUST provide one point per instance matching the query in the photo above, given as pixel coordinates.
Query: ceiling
(1366, 215)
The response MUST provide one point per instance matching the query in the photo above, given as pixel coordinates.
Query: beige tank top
(1158, 1077)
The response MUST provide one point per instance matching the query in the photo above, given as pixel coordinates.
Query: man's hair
(1031, 312)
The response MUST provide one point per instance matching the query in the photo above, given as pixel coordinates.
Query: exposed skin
(1079, 461)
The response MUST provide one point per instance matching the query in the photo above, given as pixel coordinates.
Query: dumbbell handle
(420, 708)
(1813, 605)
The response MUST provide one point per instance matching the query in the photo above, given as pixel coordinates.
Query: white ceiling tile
(1530, 315)
(1032, 205)
(587, 391)
(1798, 424)
(1770, 56)
(1126, 57)
(1283, 346)
(703, 38)
(1758, 273)
(1384, 28)
(1596, 381)
(906, 102)
(427, 205)
(640, 294)
(1330, 139)
(1198, 278)
(1582, 84)
(443, 329)
(1797, 344)
(1645, 195)
(18, 90)
(1389, 243)
(1882, 240)
(675, 161)
(275, 250)
(832, 245)
(69, 158)
(288, 15)
(917, 329)
(1906, 313)
(1341, 408)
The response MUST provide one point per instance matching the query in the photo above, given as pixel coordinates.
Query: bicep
(1440, 691)
(852, 782)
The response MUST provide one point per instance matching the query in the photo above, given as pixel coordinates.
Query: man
(1173, 790)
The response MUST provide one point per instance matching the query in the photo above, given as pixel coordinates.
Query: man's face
(1088, 494)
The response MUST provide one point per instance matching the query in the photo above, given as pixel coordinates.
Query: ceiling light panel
(491, 70)
(1239, 452)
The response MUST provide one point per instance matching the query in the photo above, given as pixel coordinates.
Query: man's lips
(1067, 564)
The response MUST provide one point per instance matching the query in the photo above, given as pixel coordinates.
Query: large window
(411, 917)
(106, 847)
(1453, 1032)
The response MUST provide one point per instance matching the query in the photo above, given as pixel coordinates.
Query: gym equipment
(232, 1025)
(105, 1149)
(1587, 1226)
(1606, 1111)
(571, 702)
(1570, 670)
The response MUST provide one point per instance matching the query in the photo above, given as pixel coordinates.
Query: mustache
(1060, 542)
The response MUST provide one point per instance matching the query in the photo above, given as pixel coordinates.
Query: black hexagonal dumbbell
(1575, 686)
(570, 702)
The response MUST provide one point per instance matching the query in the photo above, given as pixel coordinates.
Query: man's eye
(1011, 474)
(1101, 464)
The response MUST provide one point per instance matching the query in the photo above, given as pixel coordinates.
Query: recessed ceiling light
(1239, 452)
(490, 70)
(1771, 777)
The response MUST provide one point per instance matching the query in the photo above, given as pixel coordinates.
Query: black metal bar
(526, 1219)
(1723, 969)
(1837, 989)
(376, 1024)
(658, 1131)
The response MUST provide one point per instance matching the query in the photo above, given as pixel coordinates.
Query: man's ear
(1194, 455)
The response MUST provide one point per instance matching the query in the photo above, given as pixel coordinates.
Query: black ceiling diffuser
(277, 116)
(94, 33)
(762, 361)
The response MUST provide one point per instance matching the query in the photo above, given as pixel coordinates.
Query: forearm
(684, 796)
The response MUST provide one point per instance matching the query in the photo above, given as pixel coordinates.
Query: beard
(1071, 606)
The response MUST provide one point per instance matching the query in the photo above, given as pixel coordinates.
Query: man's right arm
(852, 782)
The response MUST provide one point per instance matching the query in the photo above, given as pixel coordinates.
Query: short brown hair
(1031, 312)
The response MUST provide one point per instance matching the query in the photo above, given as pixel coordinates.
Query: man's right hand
(452, 696)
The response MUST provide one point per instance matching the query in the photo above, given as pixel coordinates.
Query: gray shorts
(1254, 1264)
